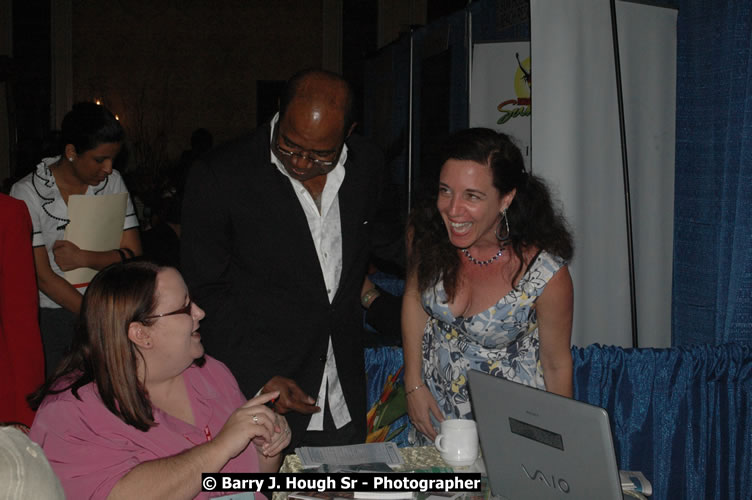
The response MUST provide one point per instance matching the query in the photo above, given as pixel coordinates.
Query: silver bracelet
(422, 384)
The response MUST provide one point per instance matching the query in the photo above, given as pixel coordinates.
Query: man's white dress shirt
(326, 232)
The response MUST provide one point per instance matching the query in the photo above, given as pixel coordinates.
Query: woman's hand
(67, 255)
(420, 402)
(420, 405)
(250, 421)
(280, 438)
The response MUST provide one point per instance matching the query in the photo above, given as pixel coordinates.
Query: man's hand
(291, 397)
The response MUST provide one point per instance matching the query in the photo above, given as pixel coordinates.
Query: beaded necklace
(482, 262)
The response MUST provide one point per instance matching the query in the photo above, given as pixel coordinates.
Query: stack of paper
(387, 453)
(385, 495)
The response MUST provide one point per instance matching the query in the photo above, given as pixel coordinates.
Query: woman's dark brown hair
(102, 352)
(533, 219)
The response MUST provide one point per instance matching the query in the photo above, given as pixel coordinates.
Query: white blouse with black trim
(49, 213)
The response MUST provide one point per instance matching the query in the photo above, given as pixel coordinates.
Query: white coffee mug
(458, 442)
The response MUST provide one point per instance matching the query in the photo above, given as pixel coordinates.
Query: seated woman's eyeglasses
(182, 310)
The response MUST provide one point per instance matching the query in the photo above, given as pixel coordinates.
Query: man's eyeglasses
(182, 310)
(304, 155)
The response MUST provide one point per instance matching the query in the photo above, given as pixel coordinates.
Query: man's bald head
(319, 88)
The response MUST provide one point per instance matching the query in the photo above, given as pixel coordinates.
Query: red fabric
(21, 355)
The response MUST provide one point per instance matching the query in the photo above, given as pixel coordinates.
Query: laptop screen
(540, 445)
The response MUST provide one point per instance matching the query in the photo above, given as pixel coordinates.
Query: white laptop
(539, 445)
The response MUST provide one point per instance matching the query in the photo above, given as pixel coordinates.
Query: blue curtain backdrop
(681, 416)
(712, 283)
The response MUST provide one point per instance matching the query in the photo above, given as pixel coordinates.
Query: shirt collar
(45, 185)
(198, 383)
(44, 181)
(202, 405)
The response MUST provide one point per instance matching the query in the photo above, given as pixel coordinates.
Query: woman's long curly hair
(534, 221)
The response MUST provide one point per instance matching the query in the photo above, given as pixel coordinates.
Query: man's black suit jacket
(250, 263)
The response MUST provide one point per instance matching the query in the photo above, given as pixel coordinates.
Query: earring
(148, 344)
(505, 221)
(70, 159)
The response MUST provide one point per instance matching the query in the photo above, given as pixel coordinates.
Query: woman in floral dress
(488, 286)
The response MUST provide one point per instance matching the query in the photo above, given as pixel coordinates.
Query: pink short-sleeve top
(90, 449)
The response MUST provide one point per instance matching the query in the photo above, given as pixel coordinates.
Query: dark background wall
(167, 67)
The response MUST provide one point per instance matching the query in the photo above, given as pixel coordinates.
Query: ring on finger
(255, 419)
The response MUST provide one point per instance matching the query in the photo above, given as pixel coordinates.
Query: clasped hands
(256, 422)
(266, 428)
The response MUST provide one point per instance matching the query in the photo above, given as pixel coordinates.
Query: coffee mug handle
(437, 443)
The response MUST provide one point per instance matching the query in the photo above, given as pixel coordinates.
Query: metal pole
(625, 171)
(410, 131)
(469, 38)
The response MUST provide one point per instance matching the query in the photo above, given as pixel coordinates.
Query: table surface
(417, 458)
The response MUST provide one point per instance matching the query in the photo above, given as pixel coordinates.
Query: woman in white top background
(92, 138)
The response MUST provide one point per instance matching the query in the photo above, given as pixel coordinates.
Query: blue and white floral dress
(502, 340)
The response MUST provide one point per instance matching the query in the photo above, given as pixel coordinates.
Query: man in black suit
(275, 245)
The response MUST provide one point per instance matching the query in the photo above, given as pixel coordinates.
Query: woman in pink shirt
(136, 410)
